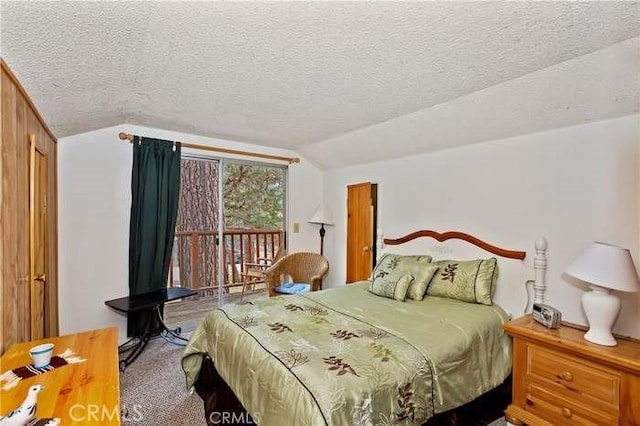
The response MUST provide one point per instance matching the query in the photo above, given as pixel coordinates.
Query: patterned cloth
(11, 378)
(346, 356)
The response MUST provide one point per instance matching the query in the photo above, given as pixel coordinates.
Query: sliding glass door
(231, 217)
(254, 223)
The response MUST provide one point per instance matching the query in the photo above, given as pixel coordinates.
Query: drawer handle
(566, 376)
(567, 413)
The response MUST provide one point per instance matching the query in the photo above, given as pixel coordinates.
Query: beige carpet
(152, 389)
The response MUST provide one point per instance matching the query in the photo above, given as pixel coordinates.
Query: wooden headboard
(539, 261)
(511, 254)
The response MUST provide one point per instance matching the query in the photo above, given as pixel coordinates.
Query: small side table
(148, 303)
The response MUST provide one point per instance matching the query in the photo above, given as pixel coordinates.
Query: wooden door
(40, 292)
(28, 218)
(361, 230)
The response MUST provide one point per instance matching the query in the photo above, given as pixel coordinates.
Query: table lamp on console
(604, 267)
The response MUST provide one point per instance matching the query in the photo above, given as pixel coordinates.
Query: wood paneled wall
(19, 120)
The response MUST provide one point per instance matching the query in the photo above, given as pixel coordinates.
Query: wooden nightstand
(561, 379)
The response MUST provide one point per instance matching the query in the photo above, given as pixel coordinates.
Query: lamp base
(601, 308)
(322, 232)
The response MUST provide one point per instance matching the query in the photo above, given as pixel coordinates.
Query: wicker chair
(302, 268)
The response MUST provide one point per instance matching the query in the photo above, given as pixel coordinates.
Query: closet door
(43, 291)
(28, 218)
(38, 241)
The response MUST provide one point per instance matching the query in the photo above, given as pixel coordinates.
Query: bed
(347, 356)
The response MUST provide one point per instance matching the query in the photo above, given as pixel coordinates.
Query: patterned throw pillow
(469, 281)
(392, 286)
(394, 266)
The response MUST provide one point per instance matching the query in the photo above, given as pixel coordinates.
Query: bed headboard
(539, 261)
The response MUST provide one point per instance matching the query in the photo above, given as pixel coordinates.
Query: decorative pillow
(469, 280)
(418, 287)
(396, 265)
(391, 286)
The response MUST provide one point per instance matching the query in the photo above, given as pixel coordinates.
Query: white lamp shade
(607, 266)
(322, 216)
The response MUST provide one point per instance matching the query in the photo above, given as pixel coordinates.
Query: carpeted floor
(153, 390)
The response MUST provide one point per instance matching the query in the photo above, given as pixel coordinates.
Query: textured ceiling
(286, 74)
(600, 85)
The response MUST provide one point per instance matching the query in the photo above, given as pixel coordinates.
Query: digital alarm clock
(547, 315)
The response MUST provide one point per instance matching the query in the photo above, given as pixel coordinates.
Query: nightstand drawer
(580, 378)
(561, 411)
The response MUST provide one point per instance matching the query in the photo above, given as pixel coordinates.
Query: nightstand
(561, 379)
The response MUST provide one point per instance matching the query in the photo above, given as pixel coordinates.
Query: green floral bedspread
(345, 356)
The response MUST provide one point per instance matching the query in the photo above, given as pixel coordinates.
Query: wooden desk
(79, 394)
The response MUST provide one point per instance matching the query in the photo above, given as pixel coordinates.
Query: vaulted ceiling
(294, 75)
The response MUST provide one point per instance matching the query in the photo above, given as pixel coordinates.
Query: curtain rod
(129, 137)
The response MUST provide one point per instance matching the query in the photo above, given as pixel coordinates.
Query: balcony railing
(194, 263)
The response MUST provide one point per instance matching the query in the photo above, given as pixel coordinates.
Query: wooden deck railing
(194, 263)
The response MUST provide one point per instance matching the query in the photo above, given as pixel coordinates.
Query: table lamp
(604, 267)
(322, 216)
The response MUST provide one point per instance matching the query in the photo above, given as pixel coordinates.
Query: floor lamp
(322, 217)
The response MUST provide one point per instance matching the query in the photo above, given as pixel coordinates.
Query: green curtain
(155, 189)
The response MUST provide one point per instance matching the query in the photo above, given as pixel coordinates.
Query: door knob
(42, 278)
(366, 248)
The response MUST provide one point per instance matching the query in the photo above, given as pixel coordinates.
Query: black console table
(148, 303)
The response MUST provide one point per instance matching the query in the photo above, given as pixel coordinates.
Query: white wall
(573, 185)
(94, 172)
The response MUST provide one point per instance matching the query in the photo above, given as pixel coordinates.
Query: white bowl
(41, 355)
